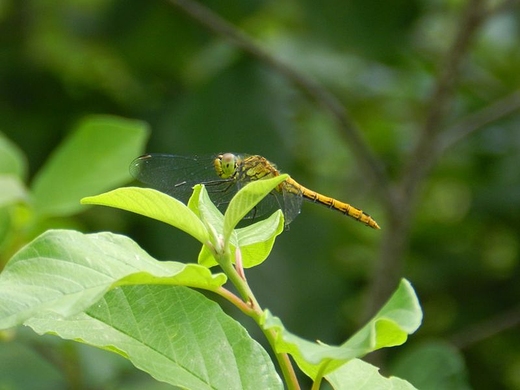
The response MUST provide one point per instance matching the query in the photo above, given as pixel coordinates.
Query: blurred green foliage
(65, 59)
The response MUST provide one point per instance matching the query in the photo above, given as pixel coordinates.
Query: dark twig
(486, 329)
(478, 120)
(422, 157)
(395, 241)
(370, 165)
(65, 359)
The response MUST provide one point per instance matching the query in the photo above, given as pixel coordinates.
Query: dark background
(413, 76)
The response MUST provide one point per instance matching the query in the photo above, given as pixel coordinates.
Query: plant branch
(65, 358)
(477, 120)
(250, 306)
(371, 166)
(486, 329)
(240, 284)
(422, 157)
(256, 313)
(283, 361)
(235, 300)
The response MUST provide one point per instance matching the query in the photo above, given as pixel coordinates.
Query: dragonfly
(224, 174)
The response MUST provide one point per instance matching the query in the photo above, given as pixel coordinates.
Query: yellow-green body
(231, 166)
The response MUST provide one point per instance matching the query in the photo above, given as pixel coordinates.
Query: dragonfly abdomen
(337, 205)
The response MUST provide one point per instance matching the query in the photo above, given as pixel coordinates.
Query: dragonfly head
(226, 165)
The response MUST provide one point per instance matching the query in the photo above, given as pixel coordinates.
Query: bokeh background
(441, 74)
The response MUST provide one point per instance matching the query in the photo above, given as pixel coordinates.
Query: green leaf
(173, 333)
(359, 375)
(211, 217)
(246, 199)
(12, 159)
(11, 190)
(153, 204)
(255, 241)
(206, 257)
(94, 158)
(400, 316)
(201, 204)
(64, 272)
(261, 231)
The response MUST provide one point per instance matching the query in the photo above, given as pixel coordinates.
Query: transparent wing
(176, 176)
(292, 201)
(267, 206)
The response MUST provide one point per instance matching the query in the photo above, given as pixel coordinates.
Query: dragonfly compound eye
(225, 165)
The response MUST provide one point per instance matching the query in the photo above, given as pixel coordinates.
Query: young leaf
(92, 159)
(400, 316)
(211, 217)
(153, 204)
(255, 241)
(64, 272)
(247, 198)
(359, 375)
(173, 333)
(202, 206)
